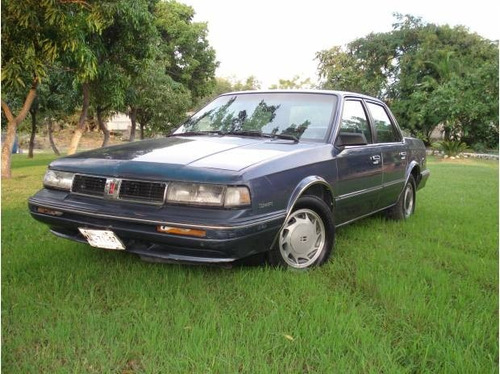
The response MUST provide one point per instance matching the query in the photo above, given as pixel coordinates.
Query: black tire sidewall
(397, 212)
(411, 181)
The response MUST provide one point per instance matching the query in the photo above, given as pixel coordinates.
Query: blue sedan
(257, 172)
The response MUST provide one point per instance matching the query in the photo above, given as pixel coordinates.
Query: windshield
(305, 116)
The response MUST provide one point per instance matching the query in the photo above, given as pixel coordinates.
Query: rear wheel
(405, 206)
(306, 239)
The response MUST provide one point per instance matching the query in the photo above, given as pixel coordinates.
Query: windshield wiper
(250, 133)
(286, 137)
(253, 133)
(197, 133)
(260, 134)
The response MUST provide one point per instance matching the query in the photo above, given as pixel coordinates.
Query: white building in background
(120, 122)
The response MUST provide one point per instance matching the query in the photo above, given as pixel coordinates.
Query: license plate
(102, 239)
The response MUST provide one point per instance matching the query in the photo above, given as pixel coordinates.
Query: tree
(295, 83)
(33, 113)
(251, 83)
(56, 101)
(158, 101)
(189, 58)
(122, 48)
(429, 74)
(34, 35)
(177, 76)
(224, 85)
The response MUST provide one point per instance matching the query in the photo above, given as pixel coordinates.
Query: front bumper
(224, 241)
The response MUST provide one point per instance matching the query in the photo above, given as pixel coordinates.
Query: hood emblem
(112, 189)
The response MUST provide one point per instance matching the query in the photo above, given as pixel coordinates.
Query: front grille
(132, 190)
(152, 192)
(85, 185)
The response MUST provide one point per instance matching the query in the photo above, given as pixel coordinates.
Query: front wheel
(405, 206)
(306, 239)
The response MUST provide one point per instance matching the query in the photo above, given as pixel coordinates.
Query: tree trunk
(7, 148)
(142, 131)
(12, 124)
(102, 126)
(51, 138)
(133, 119)
(80, 127)
(33, 131)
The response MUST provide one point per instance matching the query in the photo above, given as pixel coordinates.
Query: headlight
(207, 194)
(58, 179)
(191, 193)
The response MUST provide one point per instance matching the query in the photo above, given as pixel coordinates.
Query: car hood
(228, 153)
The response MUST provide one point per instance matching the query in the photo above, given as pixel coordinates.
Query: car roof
(328, 92)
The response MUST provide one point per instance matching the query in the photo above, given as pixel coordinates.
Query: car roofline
(304, 91)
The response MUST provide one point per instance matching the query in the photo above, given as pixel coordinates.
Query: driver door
(359, 164)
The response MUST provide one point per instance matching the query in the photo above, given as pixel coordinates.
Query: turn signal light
(50, 212)
(180, 231)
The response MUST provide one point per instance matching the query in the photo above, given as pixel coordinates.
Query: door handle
(375, 159)
(403, 155)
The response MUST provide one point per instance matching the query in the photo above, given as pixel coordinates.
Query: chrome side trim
(397, 181)
(357, 193)
(367, 190)
(277, 216)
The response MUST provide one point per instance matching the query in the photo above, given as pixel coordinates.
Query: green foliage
(429, 74)
(110, 45)
(123, 49)
(295, 83)
(185, 49)
(224, 85)
(179, 71)
(251, 83)
(36, 33)
(451, 147)
(161, 102)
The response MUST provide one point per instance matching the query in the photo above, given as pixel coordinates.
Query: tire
(405, 206)
(307, 237)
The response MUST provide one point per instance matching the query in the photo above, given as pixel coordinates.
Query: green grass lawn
(409, 297)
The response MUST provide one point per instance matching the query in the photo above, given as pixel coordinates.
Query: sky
(276, 39)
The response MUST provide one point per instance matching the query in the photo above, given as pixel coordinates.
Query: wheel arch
(313, 186)
(413, 169)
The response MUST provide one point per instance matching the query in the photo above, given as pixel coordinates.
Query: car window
(313, 116)
(354, 120)
(384, 128)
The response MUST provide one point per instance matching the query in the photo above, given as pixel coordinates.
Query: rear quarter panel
(417, 157)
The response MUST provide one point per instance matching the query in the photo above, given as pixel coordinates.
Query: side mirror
(350, 138)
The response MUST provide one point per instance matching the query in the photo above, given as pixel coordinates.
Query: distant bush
(451, 147)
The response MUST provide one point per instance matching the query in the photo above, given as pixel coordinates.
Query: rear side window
(354, 120)
(384, 128)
